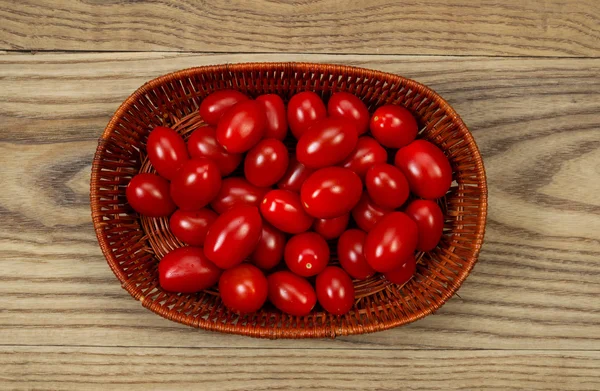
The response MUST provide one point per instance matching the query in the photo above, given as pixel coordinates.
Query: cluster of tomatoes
(290, 202)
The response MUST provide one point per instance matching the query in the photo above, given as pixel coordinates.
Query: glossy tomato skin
(330, 192)
(335, 291)
(331, 228)
(306, 254)
(367, 153)
(392, 240)
(269, 251)
(294, 176)
(350, 252)
(274, 107)
(426, 168)
(203, 143)
(404, 273)
(216, 104)
(393, 126)
(266, 162)
(304, 109)
(187, 270)
(242, 126)
(166, 151)
(196, 183)
(283, 209)
(291, 294)
(148, 194)
(233, 236)
(237, 191)
(387, 186)
(344, 104)
(243, 288)
(430, 222)
(327, 142)
(191, 227)
(367, 213)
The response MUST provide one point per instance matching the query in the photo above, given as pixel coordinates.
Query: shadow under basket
(133, 245)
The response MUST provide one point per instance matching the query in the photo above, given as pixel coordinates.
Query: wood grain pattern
(509, 27)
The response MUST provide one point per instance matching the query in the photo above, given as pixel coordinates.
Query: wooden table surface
(523, 74)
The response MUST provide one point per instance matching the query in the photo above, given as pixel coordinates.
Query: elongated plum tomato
(367, 213)
(430, 222)
(187, 270)
(216, 104)
(335, 291)
(148, 194)
(330, 192)
(294, 176)
(237, 191)
(367, 153)
(283, 209)
(269, 250)
(243, 288)
(327, 142)
(306, 254)
(266, 162)
(387, 186)
(203, 143)
(191, 227)
(404, 273)
(344, 104)
(166, 151)
(426, 168)
(304, 109)
(274, 107)
(393, 126)
(196, 183)
(350, 253)
(291, 294)
(331, 228)
(233, 236)
(242, 126)
(390, 242)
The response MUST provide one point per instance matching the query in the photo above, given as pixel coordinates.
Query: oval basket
(133, 245)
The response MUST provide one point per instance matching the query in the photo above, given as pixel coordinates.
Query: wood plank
(509, 27)
(535, 120)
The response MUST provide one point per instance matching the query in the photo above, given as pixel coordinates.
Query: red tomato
(426, 168)
(196, 183)
(237, 191)
(367, 213)
(294, 176)
(187, 270)
(233, 236)
(327, 142)
(216, 104)
(335, 291)
(387, 186)
(430, 222)
(391, 241)
(306, 254)
(269, 251)
(404, 273)
(203, 143)
(304, 109)
(266, 162)
(244, 288)
(344, 104)
(242, 126)
(291, 294)
(191, 227)
(276, 116)
(148, 194)
(166, 151)
(330, 192)
(393, 126)
(350, 253)
(331, 228)
(367, 153)
(283, 209)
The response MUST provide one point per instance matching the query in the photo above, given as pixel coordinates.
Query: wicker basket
(133, 246)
